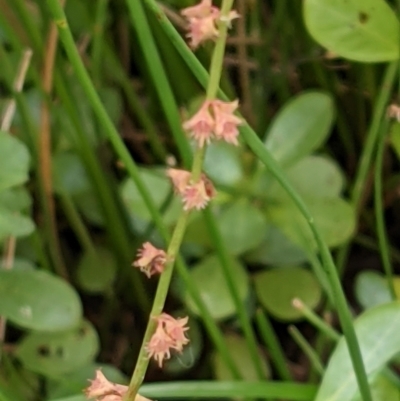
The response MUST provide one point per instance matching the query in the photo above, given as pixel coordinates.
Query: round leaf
(276, 249)
(242, 226)
(333, 217)
(242, 359)
(313, 176)
(96, 270)
(360, 30)
(210, 281)
(14, 224)
(277, 288)
(38, 300)
(15, 199)
(372, 289)
(222, 164)
(14, 161)
(300, 127)
(55, 354)
(377, 331)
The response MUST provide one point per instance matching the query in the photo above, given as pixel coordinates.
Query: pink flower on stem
(200, 30)
(180, 179)
(201, 10)
(151, 260)
(104, 390)
(169, 335)
(201, 125)
(226, 123)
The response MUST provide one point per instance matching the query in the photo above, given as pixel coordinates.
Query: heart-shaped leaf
(14, 161)
(360, 30)
(55, 354)
(300, 127)
(377, 331)
(38, 300)
(276, 289)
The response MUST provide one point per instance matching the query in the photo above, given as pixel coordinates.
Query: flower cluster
(169, 335)
(214, 120)
(194, 195)
(151, 260)
(202, 22)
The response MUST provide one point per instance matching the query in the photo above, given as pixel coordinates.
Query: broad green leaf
(382, 389)
(209, 278)
(277, 288)
(333, 217)
(377, 331)
(276, 250)
(222, 164)
(55, 354)
(14, 161)
(159, 187)
(14, 224)
(360, 30)
(300, 127)
(242, 359)
(242, 226)
(313, 176)
(38, 300)
(372, 289)
(15, 199)
(96, 270)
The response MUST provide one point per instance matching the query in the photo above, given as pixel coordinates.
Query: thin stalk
(368, 150)
(157, 72)
(315, 320)
(262, 153)
(273, 346)
(369, 243)
(307, 349)
(379, 211)
(123, 154)
(244, 318)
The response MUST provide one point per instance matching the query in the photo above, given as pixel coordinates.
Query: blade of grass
(261, 152)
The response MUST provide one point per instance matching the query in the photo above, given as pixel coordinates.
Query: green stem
(379, 211)
(261, 152)
(307, 349)
(273, 346)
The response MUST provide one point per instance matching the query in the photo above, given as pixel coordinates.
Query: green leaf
(300, 127)
(96, 270)
(14, 224)
(16, 199)
(159, 186)
(360, 30)
(382, 389)
(377, 331)
(372, 289)
(242, 226)
(14, 161)
(277, 288)
(222, 164)
(55, 354)
(333, 217)
(276, 250)
(242, 359)
(38, 300)
(313, 176)
(210, 281)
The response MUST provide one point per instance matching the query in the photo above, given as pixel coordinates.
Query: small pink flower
(229, 18)
(104, 390)
(180, 179)
(201, 125)
(393, 111)
(195, 196)
(226, 122)
(151, 260)
(201, 10)
(201, 30)
(169, 335)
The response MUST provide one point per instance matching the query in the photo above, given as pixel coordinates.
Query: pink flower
(201, 125)
(201, 29)
(151, 260)
(226, 122)
(393, 111)
(169, 335)
(201, 10)
(104, 390)
(180, 179)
